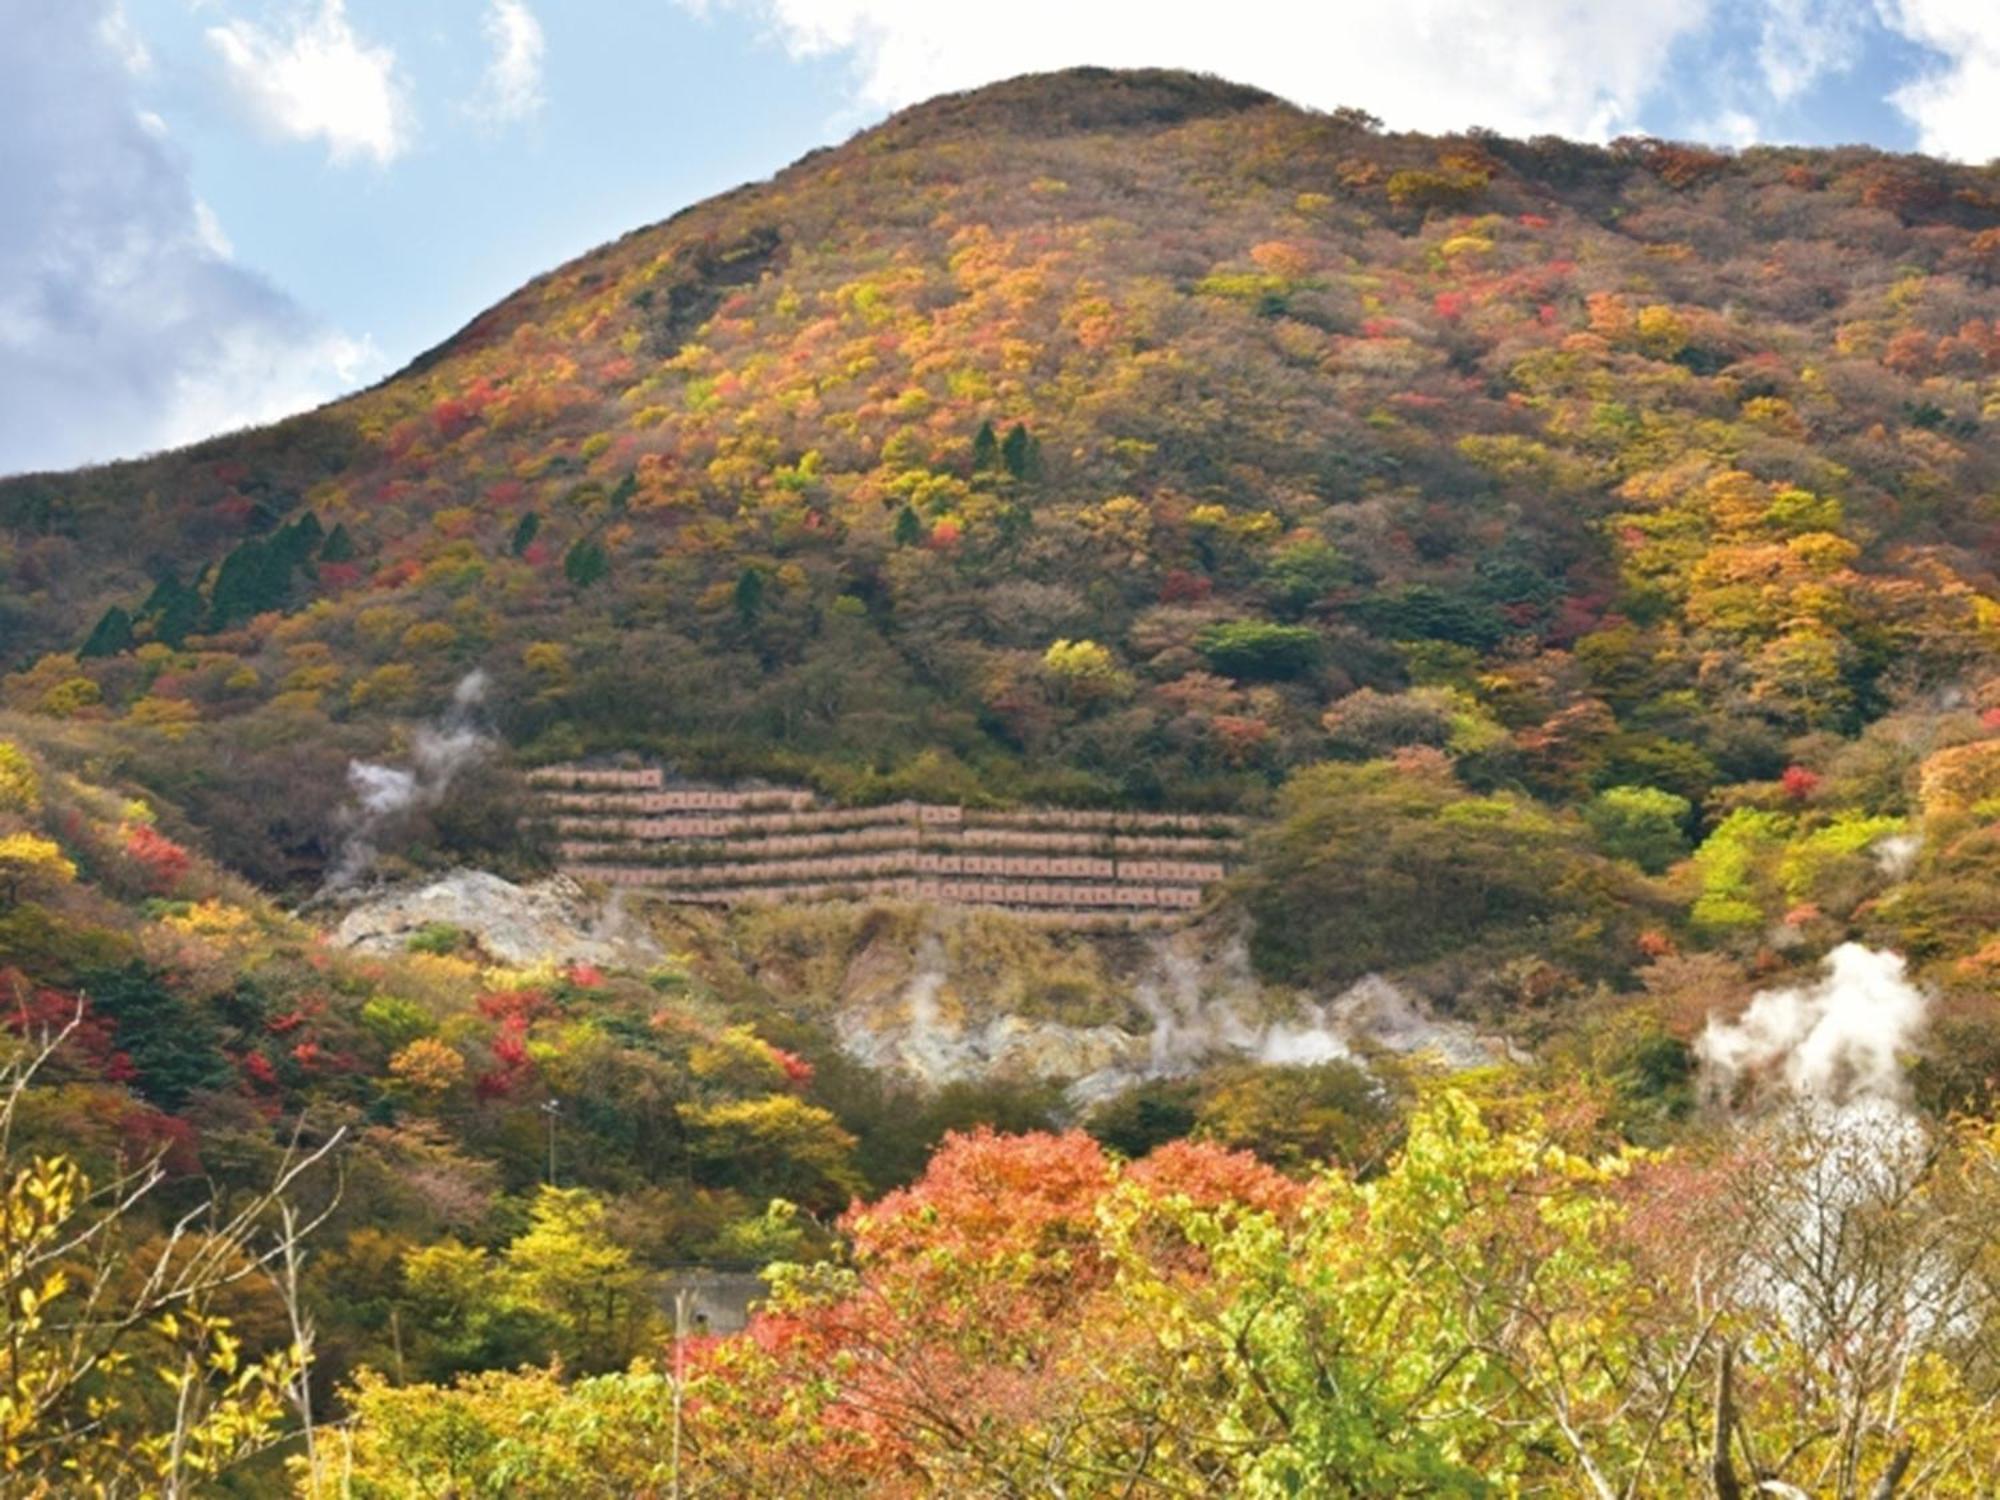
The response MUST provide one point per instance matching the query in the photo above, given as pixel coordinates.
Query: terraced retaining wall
(728, 845)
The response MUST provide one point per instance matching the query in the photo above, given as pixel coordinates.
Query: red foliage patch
(396, 574)
(163, 862)
(91, 1047)
(145, 1133)
(1182, 587)
(1213, 1176)
(798, 1072)
(990, 1195)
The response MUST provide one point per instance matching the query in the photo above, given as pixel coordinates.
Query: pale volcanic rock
(552, 921)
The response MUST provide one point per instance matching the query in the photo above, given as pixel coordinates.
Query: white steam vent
(1838, 1039)
(438, 753)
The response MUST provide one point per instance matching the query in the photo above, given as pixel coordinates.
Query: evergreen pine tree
(1020, 452)
(339, 546)
(112, 635)
(909, 528)
(585, 563)
(297, 542)
(524, 533)
(749, 594)
(254, 577)
(174, 609)
(985, 449)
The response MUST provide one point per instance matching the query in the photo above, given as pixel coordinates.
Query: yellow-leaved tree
(119, 1374)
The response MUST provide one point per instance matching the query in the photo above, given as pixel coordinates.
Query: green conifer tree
(112, 635)
(339, 546)
(585, 563)
(985, 449)
(524, 533)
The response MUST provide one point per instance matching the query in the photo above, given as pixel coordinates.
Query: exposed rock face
(551, 920)
(1195, 988)
(899, 1002)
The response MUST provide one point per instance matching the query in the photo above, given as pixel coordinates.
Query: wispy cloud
(314, 78)
(511, 88)
(125, 323)
(1575, 67)
(1956, 104)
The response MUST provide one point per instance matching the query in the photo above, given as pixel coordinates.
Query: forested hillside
(1578, 563)
(1093, 437)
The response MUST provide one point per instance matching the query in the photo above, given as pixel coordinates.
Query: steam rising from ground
(1896, 854)
(1836, 1040)
(438, 753)
(1847, 1156)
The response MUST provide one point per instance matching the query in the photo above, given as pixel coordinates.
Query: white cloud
(1574, 67)
(125, 325)
(118, 34)
(315, 79)
(512, 86)
(252, 373)
(1956, 106)
(1802, 41)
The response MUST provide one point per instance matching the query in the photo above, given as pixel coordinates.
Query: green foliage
(1377, 866)
(1020, 453)
(1301, 574)
(1424, 612)
(566, 1268)
(1735, 863)
(395, 1022)
(435, 937)
(339, 545)
(1642, 824)
(985, 449)
(1296, 1117)
(773, 1147)
(172, 610)
(110, 636)
(525, 531)
(1145, 1116)
(585, 563)
(174, 1046)
(1259, 651)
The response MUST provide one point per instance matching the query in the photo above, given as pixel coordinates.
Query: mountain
(1605, 465)
(1570, 568)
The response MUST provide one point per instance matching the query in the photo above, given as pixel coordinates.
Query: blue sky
(224, 210)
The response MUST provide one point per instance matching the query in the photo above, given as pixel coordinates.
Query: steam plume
(1836, 1040)
(438, 753)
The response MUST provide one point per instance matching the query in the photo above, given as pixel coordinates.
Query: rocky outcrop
(920, 1000)
(551, 920)
(1200, 1000)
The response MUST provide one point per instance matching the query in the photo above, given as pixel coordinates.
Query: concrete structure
(724, 846)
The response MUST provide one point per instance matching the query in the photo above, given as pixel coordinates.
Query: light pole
(551, 1108)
